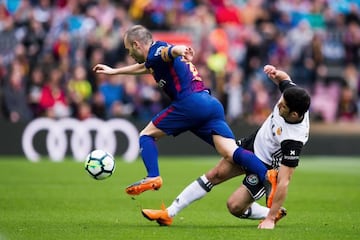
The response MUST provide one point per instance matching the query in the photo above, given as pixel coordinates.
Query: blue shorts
(199, 113)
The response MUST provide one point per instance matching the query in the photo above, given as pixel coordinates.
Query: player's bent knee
(235, 208)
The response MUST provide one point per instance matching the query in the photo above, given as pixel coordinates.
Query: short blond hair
(138, 33)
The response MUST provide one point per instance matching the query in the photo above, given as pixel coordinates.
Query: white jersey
(267, 142)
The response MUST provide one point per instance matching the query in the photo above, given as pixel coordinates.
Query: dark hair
(139, 33)
(297, 99)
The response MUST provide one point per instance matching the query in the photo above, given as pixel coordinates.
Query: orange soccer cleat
(270, 186)
(281, 213)
(148, 183)
(161, 216)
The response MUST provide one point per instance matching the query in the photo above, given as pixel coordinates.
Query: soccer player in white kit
(278, 143)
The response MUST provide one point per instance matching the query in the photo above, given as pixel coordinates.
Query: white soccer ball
(100, 164)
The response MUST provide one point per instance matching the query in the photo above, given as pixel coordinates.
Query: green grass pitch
(49, 200)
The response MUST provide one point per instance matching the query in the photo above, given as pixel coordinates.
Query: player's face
(284, 110)
(134, 51)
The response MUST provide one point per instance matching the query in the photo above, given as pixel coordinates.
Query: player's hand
(188, 54)
(276, 75)
(267, 224)
(102, 68)
(271, 71)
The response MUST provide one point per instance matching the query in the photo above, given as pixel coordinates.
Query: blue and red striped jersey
(177, 78)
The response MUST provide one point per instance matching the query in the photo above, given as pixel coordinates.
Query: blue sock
(149, 154)
(250, 162)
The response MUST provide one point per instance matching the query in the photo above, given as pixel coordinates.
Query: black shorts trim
(254, 186)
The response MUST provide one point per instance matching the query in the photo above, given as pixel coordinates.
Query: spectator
(259, 101)
(53, 100)
(114, 97)
(150, 98)
(79, 88)
(15, 99)
(8, 40)
(34, 90)
(84, 111)
(98, 105)
(347, 109)
(43, 13)
(352, 43)
(234, 92)
(34, 40)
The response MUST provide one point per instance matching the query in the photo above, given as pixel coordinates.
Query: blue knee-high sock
(149, 154)
(250, 162)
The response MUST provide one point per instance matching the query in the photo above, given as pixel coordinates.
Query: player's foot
(161, 216)
(270, 186)
(148, 183)
(281, 213)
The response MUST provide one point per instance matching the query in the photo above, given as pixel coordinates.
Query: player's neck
(294, 120)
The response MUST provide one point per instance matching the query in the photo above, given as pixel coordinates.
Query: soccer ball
(100, 164)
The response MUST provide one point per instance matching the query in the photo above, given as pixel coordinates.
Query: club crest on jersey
(278, 131)
(252, 179)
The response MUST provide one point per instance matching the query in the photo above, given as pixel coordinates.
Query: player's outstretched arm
(276, 75)
(134, 69)
(284, 177)
(186, 52)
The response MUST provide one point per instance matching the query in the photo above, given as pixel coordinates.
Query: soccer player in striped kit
(192, 108)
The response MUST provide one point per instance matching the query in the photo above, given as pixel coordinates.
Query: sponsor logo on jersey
(252, 179)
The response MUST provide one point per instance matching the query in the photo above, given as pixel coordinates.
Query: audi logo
(81, 141)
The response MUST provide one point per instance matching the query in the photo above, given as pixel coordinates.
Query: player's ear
(135, 44)
(294, 115)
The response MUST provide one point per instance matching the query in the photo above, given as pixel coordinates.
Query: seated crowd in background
(48, 49)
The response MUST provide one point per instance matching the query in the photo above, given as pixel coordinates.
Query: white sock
(257, 211)
(194, 191)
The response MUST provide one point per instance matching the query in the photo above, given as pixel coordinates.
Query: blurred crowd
(48, 49)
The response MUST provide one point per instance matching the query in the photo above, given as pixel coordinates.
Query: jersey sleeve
(159, 54)
(286, 84)
(291, 152)
(166, 55)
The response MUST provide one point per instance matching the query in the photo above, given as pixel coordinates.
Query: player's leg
(148, 149)
(196, 190)
(210, 126)
(223, 171)
(149, 154)
(242, 202)
(173, 120)
(228, 148)
(239, 203)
